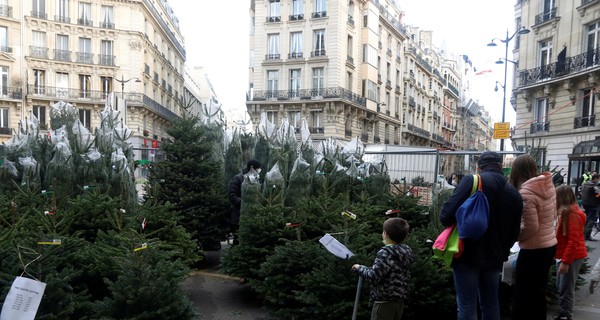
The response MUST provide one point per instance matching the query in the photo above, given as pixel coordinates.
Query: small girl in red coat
(570, 249)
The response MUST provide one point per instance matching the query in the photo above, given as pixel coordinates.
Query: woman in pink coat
(537, 238)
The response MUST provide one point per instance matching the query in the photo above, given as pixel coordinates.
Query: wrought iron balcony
(376, 139)
(295, 17)
(107, 25)
(349, 60)
(412, 102)
(417, 131)
(40, 15)
(62, 55)
(66, 93)
(6, 49)
(7, 92)
(38, 52)
(295, 55)
(350, 20)
(5, 130)
(150, 104)
(62, 19)
(545, 16)
(582, 122)
(85, 22)
(540, 127)
(348, 133)
(320, 14)
(389, 52)
(317, 53)
(85, 57)
(309, 94)
(584, 2)
(272, 56)
(5, 11)
(106, 60)
(274, 19)
(573, 64)
(320, 130)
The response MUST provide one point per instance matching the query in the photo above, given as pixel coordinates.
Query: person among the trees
(570, 251)
(537, 239)
(477, 270)
(235, 197)
(590, 195)
(390, 274)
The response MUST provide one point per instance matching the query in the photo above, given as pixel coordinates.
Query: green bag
(448, 245)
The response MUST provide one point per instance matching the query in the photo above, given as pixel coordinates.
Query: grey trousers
(387, 310)
(565, 284)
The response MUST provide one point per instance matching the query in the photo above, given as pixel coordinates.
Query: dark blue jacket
(506, 208)
(235, 196)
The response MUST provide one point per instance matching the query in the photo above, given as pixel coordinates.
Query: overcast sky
(216, 38)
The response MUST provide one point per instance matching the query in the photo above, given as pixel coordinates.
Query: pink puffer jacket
(539, 213)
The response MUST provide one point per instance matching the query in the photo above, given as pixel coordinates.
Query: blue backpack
(473, 215)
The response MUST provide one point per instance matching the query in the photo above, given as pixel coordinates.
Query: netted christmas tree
(70, 218)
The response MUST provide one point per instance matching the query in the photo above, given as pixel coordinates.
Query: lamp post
(123, 82)
(521, 30)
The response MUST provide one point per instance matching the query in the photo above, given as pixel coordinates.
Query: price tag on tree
(23, 299)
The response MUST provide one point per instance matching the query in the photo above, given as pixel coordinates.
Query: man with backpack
(590, 196)
(477, 270)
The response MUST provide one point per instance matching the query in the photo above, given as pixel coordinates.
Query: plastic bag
(448, 245)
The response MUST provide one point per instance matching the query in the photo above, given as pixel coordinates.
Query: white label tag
(23, 299)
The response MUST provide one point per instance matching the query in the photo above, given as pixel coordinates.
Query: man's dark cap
(253, 163)
(489, 157)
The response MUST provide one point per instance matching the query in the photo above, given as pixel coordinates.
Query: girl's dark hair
(396, 229)
(523, 169)
(565, 198)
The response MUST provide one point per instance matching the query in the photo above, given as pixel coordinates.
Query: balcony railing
(350, 20)
(6, 49)
(320, 14)
(418, 131)
(294, 17)
(7, 92)
(349, 59)
(106, 60)
(295, 55)
(62, 55)
(62, 19)
(85, 22)
(107, 25)
(582, 122)
(318, 53)
(150, 104)
(272, 56)
(545, 16)
(309, 94)
(85, 57)
(540, 127)
(570, 65)
(66, 93)
(376, 139)
(40, 15)
(38, 52)
(314, 130)
(274, 19)
(5, 130)
(348, 133)
(5, 11)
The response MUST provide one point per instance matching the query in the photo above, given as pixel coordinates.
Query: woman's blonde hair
(565, 198)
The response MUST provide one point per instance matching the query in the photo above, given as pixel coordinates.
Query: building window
(106, 53)
(319, 43)
(295, 45)
(62, 11)
(545, 53)
(297, 10)
(273, 46)
(39, 81)
(62, 52)
(593, 43)
(586, 114)
(40, 113)
(62, 85)
(295, 118)
(320, 7)
(295, 82)
(4, 40)
(272, 83)
(85, 51)
(107, 87)
(540, 116)
(85, 85)
(318, 81)
(274, 11)
(107, 21)
(85, 14)
(272, 117)
(4, 81)
(38, 9)
(85, 116)
(317, 121)
(4, 118)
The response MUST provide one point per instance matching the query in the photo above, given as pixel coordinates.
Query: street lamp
(521, 30)
(123, 82)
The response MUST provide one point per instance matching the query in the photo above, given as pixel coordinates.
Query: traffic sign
(501, 130)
